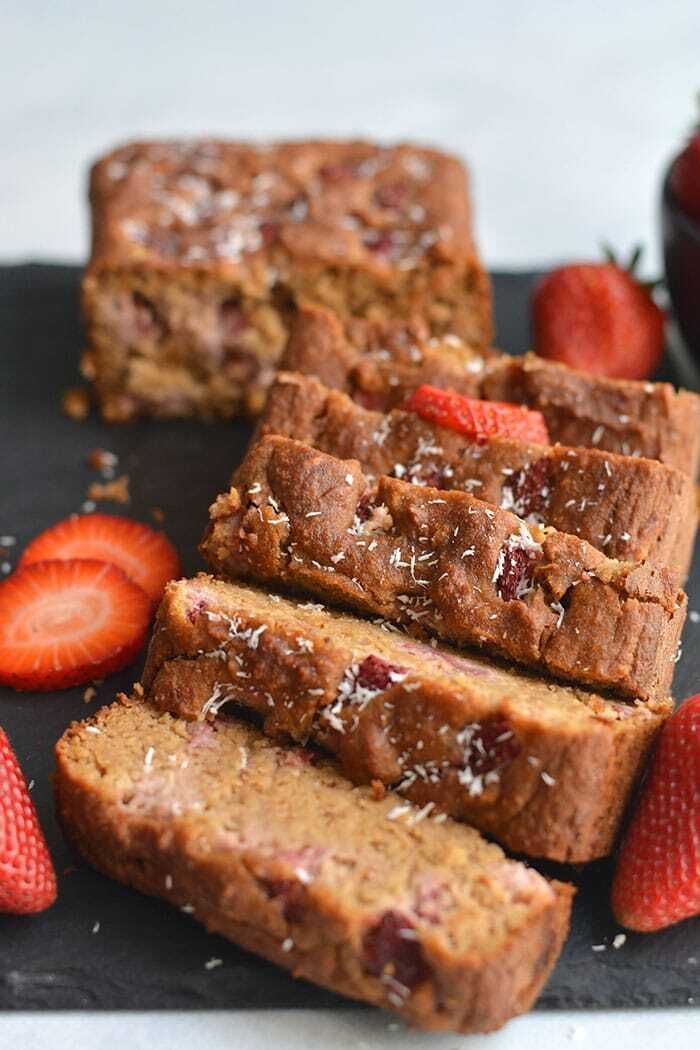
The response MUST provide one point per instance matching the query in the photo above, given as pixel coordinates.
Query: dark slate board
(146, 955)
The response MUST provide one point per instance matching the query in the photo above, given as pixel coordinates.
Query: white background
(568, 113)
(567, 110)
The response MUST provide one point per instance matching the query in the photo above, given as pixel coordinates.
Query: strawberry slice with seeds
(146, 556)
(64, 623)
(657, 880)
(478, 419)
(27, 877)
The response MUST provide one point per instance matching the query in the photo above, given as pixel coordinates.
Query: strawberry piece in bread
(477, 419)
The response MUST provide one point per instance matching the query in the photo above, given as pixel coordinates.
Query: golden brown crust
(448, 564)
(545, 769)
(630, 508)
(378, 364)
(201, 248)
(226, 825)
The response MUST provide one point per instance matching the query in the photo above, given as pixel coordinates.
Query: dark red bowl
(681, 240)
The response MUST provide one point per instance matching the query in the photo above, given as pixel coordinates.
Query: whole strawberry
(685, 178)
(598, 318)
(27, 878)
(657, 881)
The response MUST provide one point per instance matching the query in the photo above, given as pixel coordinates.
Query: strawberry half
(63, 623)
(657, 881)
(597, 317)
(27, 877)
(477, 419)
(146, 556)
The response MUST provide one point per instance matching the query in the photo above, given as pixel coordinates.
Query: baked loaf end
(201, 249)
(544, 768)
(276, 851)
(379, 364)
(449, 564)
(630, 508)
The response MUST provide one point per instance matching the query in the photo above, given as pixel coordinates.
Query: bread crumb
(619, 939)
(88, 369)
(89, 694)
(104, 461)
(116, 491)
(211, 964)
(75, 403)
(96, 928)
(158, 515)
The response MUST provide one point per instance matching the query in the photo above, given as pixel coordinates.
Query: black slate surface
(144, 954)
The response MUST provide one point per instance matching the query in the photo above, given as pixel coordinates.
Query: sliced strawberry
(146, 556)
(657, 881)
(478, 419)
(63, 623)
(27, 877)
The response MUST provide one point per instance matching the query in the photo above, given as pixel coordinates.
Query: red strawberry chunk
(146, 556)
(340, 172)
(376, 673)
(478, 419)
(233, 321)
(393, 951)
(657, 881)
(392, 195)
(27, 878)
(491, 746)
(529, 489)
(64, 623)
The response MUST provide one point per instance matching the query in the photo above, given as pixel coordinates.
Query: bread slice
(276, 851)
(379, 364)
(630, 508)
(545, 769)
(450, 564)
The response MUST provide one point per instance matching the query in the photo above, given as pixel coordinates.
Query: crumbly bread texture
(449, 564)
(202, 248)
(379, 364)
(632, 509)
(546, 769)
(272, 848)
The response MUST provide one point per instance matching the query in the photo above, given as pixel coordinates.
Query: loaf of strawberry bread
(630, 508)
(201, 249)
(449, 564)
(380, 364)
(545, 769)
(272, 848)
